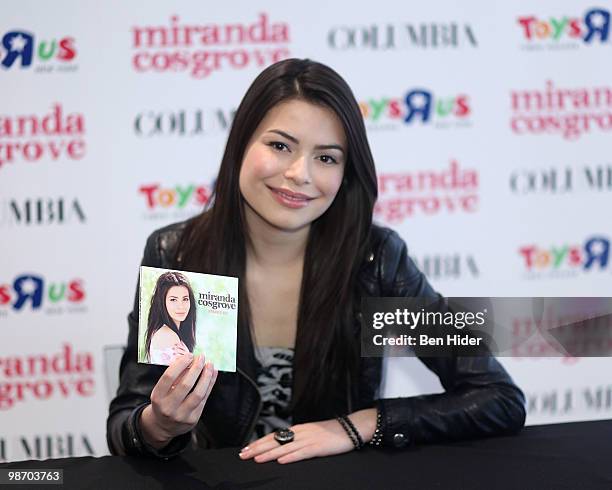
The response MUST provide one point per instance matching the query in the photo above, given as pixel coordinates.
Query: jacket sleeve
(480, 397)
(136, 382)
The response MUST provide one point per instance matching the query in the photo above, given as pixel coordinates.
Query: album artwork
(183, 312)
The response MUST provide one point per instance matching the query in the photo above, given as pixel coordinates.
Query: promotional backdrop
(490, 124)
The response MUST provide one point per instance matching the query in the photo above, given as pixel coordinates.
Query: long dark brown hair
(159, 316)
(326, 349)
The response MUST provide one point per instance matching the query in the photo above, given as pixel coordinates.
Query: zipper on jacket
(259, 406)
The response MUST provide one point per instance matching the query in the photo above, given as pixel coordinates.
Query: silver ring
(284, 436)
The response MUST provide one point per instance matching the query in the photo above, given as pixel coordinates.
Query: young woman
(292, 218)
(171, 324)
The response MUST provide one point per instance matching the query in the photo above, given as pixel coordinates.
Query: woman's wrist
(365, 423)
(151, 432)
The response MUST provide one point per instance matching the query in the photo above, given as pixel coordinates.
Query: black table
(572, 456)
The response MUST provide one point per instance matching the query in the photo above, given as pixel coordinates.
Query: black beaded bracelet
(378, 433)
(354, 429)
(351, 431)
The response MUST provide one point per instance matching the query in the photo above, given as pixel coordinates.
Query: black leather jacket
(480, 399)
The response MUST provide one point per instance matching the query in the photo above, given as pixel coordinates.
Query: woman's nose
(299, 171)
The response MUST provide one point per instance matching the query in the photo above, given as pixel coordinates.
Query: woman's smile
(294, 200)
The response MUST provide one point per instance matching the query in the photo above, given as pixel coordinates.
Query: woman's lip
(289, 202)
(291, 194)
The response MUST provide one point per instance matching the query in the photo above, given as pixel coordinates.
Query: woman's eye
(328, 159)
(277, 145)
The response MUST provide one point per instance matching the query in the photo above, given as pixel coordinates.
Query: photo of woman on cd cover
(172, 319)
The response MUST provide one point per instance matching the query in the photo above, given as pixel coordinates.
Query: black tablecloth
(572, 456)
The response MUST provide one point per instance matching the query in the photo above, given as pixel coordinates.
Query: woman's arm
(136, 384)
(164, 338)
(480, 399)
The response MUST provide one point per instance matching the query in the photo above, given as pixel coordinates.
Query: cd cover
(183, 312)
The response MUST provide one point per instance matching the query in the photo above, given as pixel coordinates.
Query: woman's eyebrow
(284, 134)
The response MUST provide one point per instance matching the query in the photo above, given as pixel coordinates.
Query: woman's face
(293, 165)
(177, 303)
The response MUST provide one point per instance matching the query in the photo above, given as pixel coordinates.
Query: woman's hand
(180, 349)
(175, 409)
(312, 440)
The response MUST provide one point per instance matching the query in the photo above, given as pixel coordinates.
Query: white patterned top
(162, 356)
(274, 379)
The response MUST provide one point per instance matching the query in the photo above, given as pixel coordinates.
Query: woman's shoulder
(381, 233)
(161, 246)
(390, 267)
(385, 244)
(163, 336)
